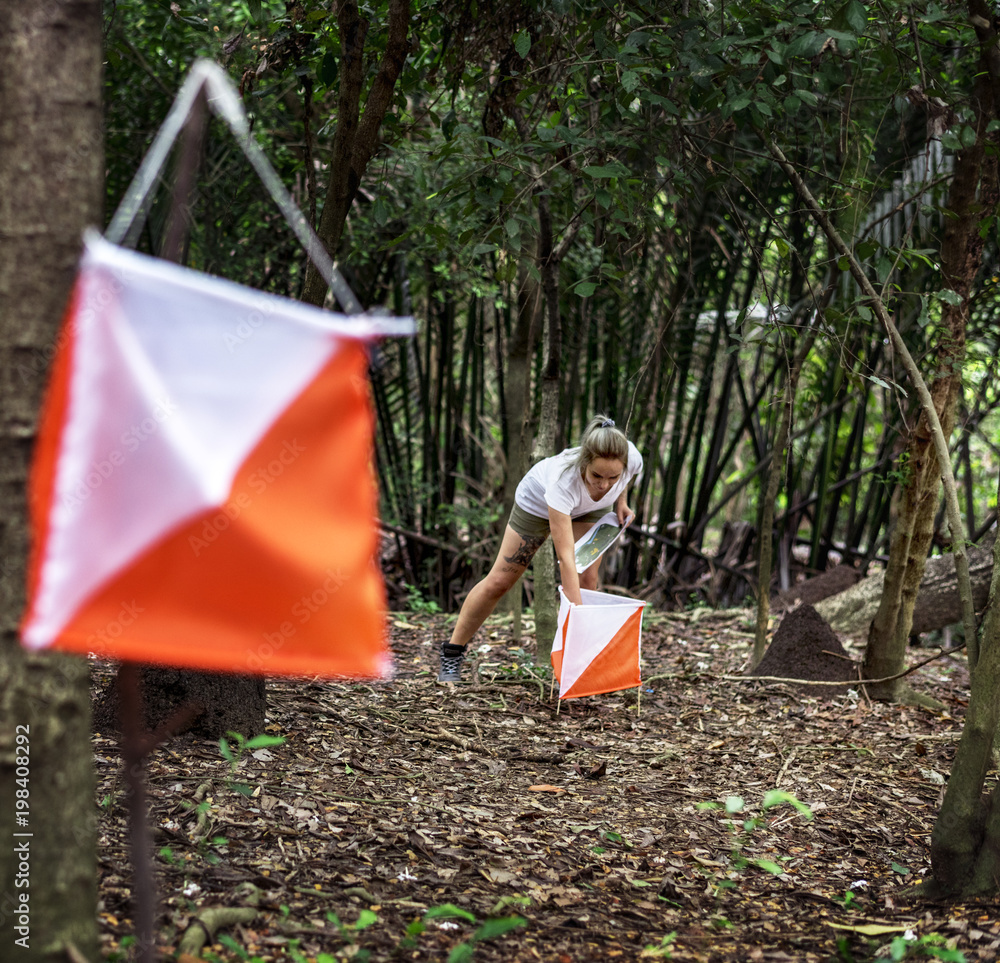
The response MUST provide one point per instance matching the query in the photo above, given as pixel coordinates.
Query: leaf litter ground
(394, 800)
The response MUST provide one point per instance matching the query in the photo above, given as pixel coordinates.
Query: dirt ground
(407, 820)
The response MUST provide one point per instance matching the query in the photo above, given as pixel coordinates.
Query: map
(597, 541)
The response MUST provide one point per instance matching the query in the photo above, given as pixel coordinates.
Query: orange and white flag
(597, 645)
(203, 492)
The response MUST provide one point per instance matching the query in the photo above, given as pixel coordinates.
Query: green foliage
(687, 273)
(741, 832)
(235, 748)
(662, 950)
(416, 602)
(909, 946)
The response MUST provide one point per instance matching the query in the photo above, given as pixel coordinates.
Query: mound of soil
(805, 647)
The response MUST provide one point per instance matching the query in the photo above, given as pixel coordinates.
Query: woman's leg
(516, 552)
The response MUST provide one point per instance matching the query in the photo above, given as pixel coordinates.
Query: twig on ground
(853, 682)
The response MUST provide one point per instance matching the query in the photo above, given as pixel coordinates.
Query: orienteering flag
(597, 644)
(203, 492)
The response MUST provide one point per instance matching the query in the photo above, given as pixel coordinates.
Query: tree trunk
(518, 385)
(51, 168)
(958, 267)
(218, 703)
(356, 135)
(850, 612)
(546, 599)
(965, 843)
(777, 466)
(973, 190)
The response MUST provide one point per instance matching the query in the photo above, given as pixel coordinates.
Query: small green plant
(849, 900)
(122, 953)
(234, 752)
(416, 602)
(661, 951)
(349, 932)
(742, 832)
(929, 946)
(490, 929)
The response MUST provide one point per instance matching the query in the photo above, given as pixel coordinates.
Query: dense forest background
(761, 236)
(579, 205)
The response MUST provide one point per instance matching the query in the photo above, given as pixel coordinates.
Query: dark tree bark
(51, 174)
(356, 135)
(965, 843)
(218, 703)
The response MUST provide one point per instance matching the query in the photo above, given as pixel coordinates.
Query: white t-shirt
(554, 482)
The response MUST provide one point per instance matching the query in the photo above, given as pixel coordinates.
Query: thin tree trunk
(356, 135)
(927, 401)
(965, 842)
(765, 540)
(546, 600)
(51, 175)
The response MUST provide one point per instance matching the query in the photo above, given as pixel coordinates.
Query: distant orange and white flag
(597, 645)
(203, 492)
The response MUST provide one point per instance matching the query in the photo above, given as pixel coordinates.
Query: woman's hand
(624, 513)
(561, 527)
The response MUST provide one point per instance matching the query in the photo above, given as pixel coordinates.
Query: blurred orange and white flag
(203, 492)
(597, 645)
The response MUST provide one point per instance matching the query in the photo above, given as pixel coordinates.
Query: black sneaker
(451, 662)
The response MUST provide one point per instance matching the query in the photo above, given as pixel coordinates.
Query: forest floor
(414, 821)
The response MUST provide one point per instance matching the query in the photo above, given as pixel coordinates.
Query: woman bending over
(565, 495)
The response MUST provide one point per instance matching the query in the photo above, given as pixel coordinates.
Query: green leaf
(328, 68)
(256, 10)
(522, 43)
(365, 919)
(777, 796)
(630, 80)
(806, 45)
(734, 804)
(769, 866)
(448, 125)
(950, 141)
(855, 16)
(461, 953)
(968, 137)
(491, 929)
(449, 911)
(901, 870)
(606, 170)
(740, 102)
(866, 249)
(263, 741)
(585, 289)
(951, 297)
(227, 753)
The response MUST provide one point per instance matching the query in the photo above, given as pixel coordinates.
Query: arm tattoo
(524, 554)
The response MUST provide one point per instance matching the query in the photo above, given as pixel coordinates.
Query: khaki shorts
(531, 526)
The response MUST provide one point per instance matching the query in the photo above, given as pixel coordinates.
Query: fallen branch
(853, 682)
(204, 926)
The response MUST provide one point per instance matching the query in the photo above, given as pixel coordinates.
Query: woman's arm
(624, 513)
(561, 526)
